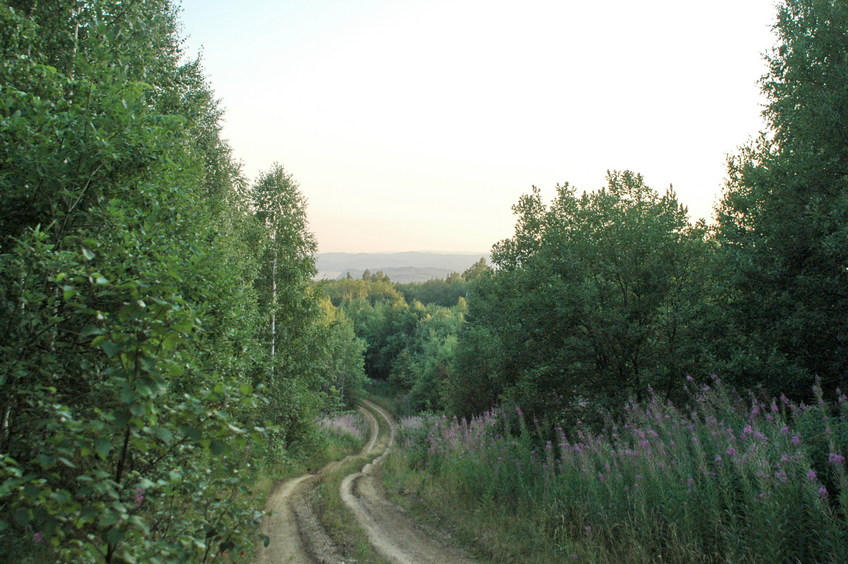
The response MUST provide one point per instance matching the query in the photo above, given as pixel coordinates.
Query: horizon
(398, 141)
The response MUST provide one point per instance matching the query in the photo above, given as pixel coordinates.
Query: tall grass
(718, 480)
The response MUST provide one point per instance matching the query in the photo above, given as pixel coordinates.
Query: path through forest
(296, 534)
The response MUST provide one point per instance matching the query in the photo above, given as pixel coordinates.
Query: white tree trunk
(274, 304)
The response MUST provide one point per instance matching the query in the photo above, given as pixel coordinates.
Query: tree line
(602, 296)
(161, 341)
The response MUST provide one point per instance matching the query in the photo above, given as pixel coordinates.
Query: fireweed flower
(835, 458)
(139, 496)
(811, 475)
(731, 451)
(823, 491)
(37, 537)
(796, 439)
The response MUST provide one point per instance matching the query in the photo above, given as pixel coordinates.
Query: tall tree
(290, 307)
(783, 227)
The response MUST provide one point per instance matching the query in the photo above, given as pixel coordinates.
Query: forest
(620, 384)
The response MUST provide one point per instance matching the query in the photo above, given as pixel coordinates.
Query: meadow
(720, 479)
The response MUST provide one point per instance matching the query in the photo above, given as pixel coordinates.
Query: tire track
(391, 533)
(295, 532)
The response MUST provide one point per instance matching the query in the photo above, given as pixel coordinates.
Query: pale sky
(417, 124)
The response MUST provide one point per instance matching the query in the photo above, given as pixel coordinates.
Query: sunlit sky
(417, 124)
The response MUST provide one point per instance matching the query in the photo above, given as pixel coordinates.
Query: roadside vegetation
(718, 480)
(620, 384)
(163, 351)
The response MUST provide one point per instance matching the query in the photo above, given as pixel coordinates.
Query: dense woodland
(162, 342)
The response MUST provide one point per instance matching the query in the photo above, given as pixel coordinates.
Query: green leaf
(66, 462)
(163, 433)
(128, 395)
(87, 254)
(45, 461)
(90, 330)
(266, 540)
(111, 348)
(68, 292)
(103, 447)
(218, 447)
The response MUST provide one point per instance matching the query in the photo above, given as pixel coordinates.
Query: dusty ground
(390, 531)
(296, 534)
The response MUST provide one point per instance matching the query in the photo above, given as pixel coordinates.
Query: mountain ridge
(407, 266)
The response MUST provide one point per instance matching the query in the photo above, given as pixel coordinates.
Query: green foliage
(410, 344)
(444, 292)
(595, 298)
(425, 366)
(722, 480)
(783, 216)
(137, 393)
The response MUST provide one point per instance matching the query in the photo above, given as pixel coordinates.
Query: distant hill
(416, 266)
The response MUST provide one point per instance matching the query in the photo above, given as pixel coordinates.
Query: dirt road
(297, 537)
(391, 533)
(295, 532)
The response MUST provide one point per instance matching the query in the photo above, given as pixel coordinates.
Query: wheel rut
(298, 538)
(391, 532)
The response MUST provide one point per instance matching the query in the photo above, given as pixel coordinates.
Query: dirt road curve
(392, 534)
(296, 535)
